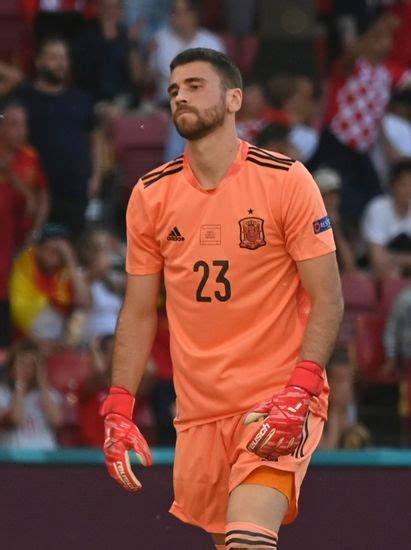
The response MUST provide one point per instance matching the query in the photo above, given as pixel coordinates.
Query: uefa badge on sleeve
(252, 233)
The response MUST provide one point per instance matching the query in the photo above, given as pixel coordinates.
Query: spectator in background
(396, 126)
(63, 130)
(62, 17)
(342, 429)
(329, 184)
(386, 226)
(46, 286)
(182, 32)
(292, 101)
(95, 390)
(397, 347)
(359, 91)
(144, 18)
(21, 169)
(256, 112)
(30, 410)
(100, 53)
(276, 137)
(106, 291)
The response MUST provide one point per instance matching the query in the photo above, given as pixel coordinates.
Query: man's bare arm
(136, 330)
(320, 278)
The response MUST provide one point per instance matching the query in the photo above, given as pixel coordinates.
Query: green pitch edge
(370, 458)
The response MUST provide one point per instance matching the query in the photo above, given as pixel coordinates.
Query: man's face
(183, 18)
(49, 256)
(53, 63)
(13, 128)
(401, 188)
(198, 99)
(110, 9)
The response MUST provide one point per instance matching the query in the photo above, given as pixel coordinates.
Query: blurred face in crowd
(110, 10)
(254, 101)
(13, 127)
(53, 62)
(50, 256)
(199, 102)
(401, 188)
(184, 19)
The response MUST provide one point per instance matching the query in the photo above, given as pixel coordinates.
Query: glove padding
(121, 436)
(285, 413)
(282, 429)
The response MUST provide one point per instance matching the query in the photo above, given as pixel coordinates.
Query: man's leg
(255, 513)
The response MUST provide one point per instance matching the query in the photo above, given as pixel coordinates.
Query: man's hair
(228, 71)
(398, 169)
(193, 5)
(275, 131)
(10, 102)
(50, 39)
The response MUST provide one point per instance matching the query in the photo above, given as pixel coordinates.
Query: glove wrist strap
(119, 401)
(309, 376)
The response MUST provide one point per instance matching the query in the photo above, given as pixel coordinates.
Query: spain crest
(252, 233)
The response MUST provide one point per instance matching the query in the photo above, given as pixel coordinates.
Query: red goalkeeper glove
(284, 414)
(122, 435)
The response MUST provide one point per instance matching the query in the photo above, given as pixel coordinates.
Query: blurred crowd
(84, 105)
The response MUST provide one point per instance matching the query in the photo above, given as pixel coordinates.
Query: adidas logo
(175, 235)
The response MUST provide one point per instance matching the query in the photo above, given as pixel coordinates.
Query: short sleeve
(143, 250)
(307, 228)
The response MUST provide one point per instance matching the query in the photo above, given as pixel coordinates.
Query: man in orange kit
(254, 305)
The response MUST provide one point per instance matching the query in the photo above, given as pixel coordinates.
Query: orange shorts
(212, 459)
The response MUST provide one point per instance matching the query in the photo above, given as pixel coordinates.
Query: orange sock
(240, 534)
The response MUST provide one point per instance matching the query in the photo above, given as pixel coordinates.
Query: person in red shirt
(23, 199)
(21, 169)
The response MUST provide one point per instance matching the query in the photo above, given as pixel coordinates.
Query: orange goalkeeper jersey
(236, 307)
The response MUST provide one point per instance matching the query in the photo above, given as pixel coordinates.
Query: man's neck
(49, 88)
(211, 157)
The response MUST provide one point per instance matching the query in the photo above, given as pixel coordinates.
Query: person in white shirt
(30, 410)
(183, 32)
(386, 226)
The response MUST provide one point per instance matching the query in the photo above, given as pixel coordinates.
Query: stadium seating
(390, 288)
(139, 145)
(369, 350)
(67, 370)
(360, 296)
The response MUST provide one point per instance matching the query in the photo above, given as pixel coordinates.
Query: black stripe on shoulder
(264, 154)
(268, 164)
(178, 161)
(162, 175)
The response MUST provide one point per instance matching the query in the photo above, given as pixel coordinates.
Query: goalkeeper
(254, 305)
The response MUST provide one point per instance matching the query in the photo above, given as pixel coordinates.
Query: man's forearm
(321, 331)
(134, 340)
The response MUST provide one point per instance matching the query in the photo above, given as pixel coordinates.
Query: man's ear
(234, 100)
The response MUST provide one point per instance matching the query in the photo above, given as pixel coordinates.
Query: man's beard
(202, 124)
(51, 77)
